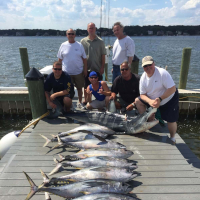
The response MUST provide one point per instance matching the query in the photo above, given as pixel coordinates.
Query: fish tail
(47, 140)
(34, 188)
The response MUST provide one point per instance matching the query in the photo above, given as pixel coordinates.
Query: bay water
(42, 51)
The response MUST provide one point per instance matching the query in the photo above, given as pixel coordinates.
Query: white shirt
(122, 49)
(156, 85)
(71, 55)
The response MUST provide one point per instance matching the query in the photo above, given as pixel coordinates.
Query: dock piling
(135, 65)
(185, 64)
(35, 82)
(24, 59)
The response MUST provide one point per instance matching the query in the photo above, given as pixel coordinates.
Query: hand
(101, 70)
(129, 107)
(100, 90)
(155, 103)
(52, 97)
(112, 70)
(88, 91)
(111, 97)
(85, 72)
(52, 105)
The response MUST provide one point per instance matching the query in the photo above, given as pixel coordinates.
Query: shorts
(78, 80)
(169, 111)
(98, 104)
(123, 103)
(87, 82)
(60, 98)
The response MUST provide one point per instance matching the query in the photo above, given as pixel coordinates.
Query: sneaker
(80, 106)
(173, 140)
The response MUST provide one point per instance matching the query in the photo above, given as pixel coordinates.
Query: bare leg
(107, 101)
(86, 96)
(140, 106)
(80, 94)
(67, 103)
(172, 128)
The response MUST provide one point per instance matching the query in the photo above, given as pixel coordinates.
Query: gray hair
(125, 62)
(72, 30)
(118, 23)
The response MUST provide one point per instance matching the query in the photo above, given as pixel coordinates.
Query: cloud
(190, 4)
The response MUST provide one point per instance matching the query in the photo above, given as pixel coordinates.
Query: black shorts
(60, 98)
(169, 111)
(87, 82)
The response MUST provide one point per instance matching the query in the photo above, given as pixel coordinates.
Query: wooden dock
(168, 172)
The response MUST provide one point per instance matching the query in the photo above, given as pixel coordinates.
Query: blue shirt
(99, 97)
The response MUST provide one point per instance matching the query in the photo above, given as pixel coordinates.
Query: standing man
(63, 89)
(100, 90)
(95, 51)
(123, 49)
(127, 85)
(74, 62)
(158, 90)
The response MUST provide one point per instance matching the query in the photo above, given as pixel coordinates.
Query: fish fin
(78, 168)
(100, 138)
(33, 187)
(54, 136)
(85, 131)
(47, 140)
(94, 183)
(47, 196)
(100, 169)
(81, 151)
(56, 146)
(59, 140)
(55, 160)
(71, 180)
(45, 177)
(84, 192)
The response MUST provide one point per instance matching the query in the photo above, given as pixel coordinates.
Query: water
(42, 51)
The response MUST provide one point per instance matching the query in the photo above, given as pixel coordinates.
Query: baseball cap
(147, 60)
(93, 74)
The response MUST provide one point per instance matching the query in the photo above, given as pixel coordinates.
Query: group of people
(82, 64)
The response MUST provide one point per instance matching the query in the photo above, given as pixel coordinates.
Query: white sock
(173, 139)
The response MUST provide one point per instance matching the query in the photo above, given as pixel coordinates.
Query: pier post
(185, 64)
(106, 72)
(35, 82)
(135, 65)
(24, 59)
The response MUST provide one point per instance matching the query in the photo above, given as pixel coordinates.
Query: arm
(102, 64)
(85, 66)
(59, 60)
(130, 60)
(104, 89)
(57, 94)
(47, 95)
(89, 96)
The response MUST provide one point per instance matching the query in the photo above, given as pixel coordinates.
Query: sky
(65, 14)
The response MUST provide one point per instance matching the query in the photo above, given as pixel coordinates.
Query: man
(63, 89)
(100, 90)
(74, 62)
(95, 51)
(123, 49)
(158, 90)
(127, 85)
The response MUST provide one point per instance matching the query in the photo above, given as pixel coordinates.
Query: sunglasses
(70, 33)
(59, 69)
(124, 69)
(146, 66)
(93, 77)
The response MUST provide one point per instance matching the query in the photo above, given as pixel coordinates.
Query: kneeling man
(63, 89)
(158, 90)
(100, 90)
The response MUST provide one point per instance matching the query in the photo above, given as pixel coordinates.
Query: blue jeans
(116, 72)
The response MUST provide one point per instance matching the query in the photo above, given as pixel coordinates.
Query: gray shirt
(94, 50)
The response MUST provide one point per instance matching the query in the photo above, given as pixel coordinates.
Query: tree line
(129, 30)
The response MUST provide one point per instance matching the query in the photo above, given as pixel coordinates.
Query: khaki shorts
(98, 104)
(78, 80)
